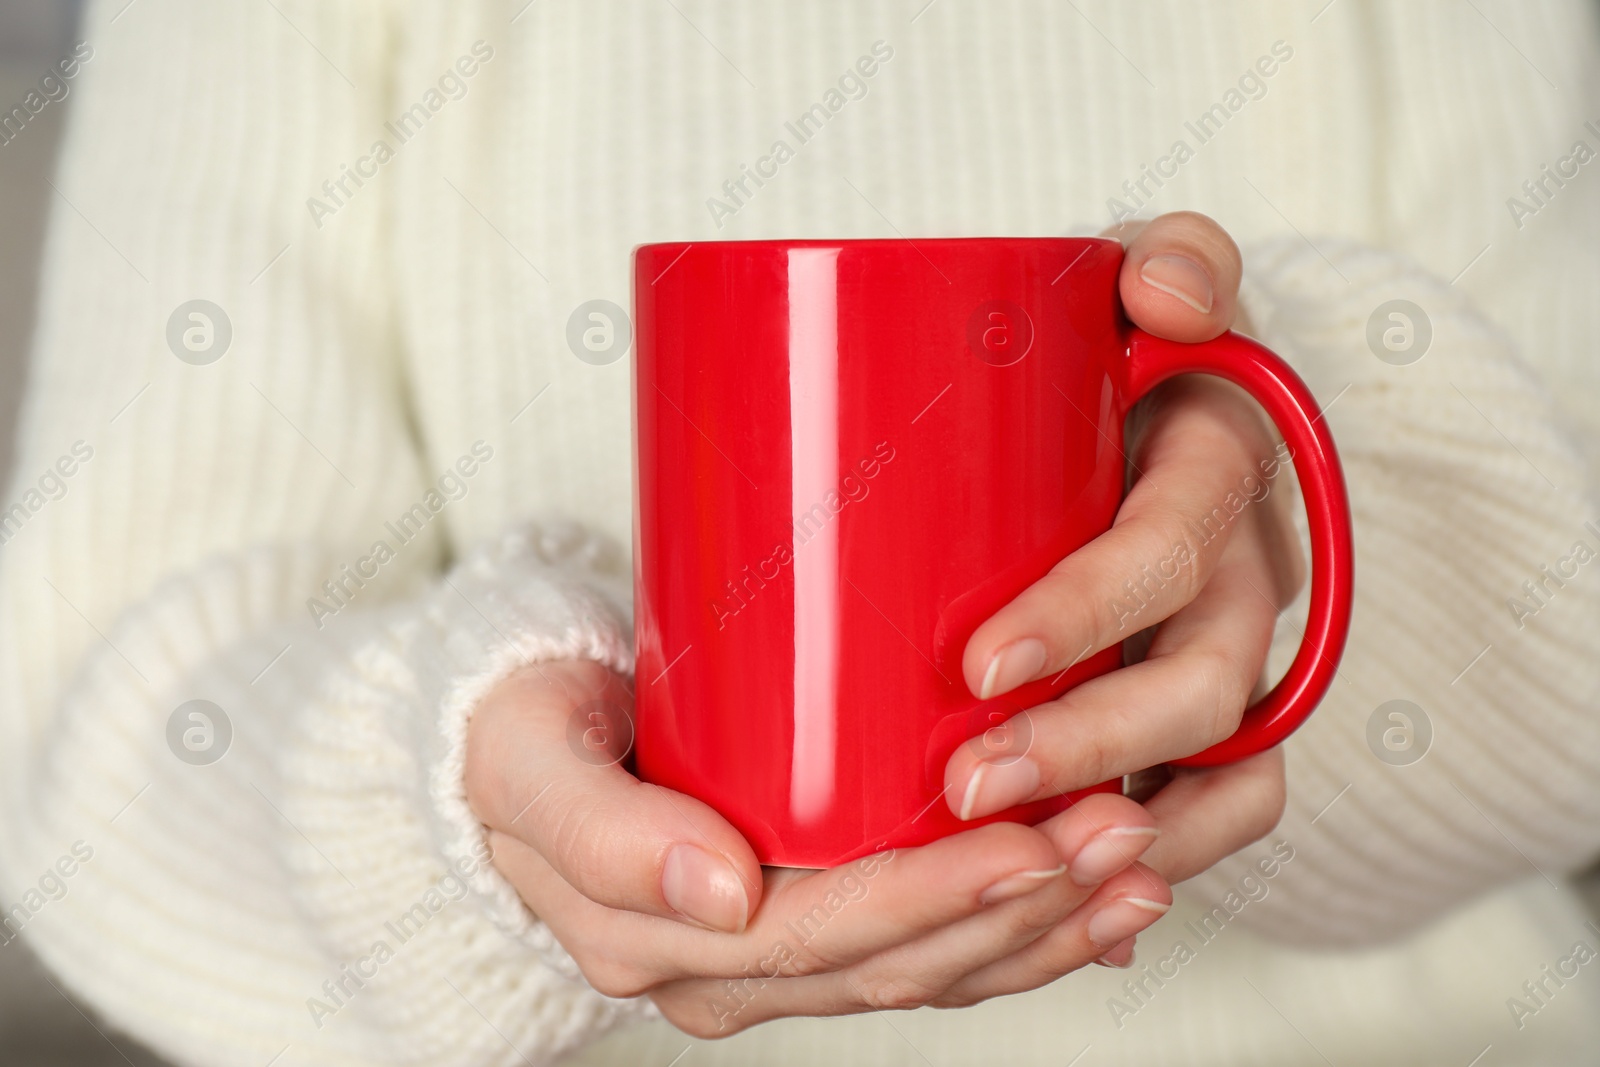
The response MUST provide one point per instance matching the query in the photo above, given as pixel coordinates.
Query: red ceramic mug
(849, 454)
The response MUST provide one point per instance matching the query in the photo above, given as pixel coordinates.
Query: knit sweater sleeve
(231, 724)
(1459, 746)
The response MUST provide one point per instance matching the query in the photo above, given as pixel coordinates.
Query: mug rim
(776, 243)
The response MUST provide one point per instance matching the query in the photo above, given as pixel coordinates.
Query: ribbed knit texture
(374, 347)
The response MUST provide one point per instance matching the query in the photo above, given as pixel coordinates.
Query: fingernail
(705, 889)
(1122, 918)
(1120, 957)
(1017, 885)
(1109, 851)
(996, 786)
(1012, 665)
(1181, 277)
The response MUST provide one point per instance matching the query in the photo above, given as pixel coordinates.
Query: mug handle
(1153, 360)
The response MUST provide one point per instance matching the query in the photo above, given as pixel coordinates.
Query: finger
(1119, 910)
(1187, 694)
(1207, 460)
(1100, 836)
(603, 941)
(836, 918)
(543, 757)
(905, 976)
(809, 922)
(1210, 813)
(1180, 277)
(919, 970)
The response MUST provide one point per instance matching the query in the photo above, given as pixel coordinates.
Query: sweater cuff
(393, 728)
(537, 594)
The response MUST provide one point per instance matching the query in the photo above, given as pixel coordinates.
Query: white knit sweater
(387, 325)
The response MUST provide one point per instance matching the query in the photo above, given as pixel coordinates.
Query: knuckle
(1223, 689)
(898, 992)
(1286, 570)
(1043, 912)
(957, 998)
(1269, 812)
(613, 978)
(565, 833)
(1053, 957)
(575, 847)
(1164, 571)
(1095, 754)
(1060, 594)
(1214, 241)
(1182, 563)
(805, 961)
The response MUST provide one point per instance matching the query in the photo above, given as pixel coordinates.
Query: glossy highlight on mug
(814, 470)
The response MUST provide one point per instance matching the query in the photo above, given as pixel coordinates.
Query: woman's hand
(654, 893)
(1199, 445)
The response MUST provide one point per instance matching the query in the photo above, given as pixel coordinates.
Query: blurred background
(32, 33)
(38, 1024)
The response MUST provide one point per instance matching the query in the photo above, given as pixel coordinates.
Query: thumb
(544, 755)
(1180, 276)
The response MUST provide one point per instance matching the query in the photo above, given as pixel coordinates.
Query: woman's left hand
(1197, 440)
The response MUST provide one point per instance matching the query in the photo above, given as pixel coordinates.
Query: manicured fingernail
(1181, 277)
(1017, 885)
(996, 786)
(1122, 918)
(1120, 957)
(705, 889)
(1109, 851)
(1011, 665)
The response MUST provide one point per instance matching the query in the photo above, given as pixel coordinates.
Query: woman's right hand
(652, 892)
